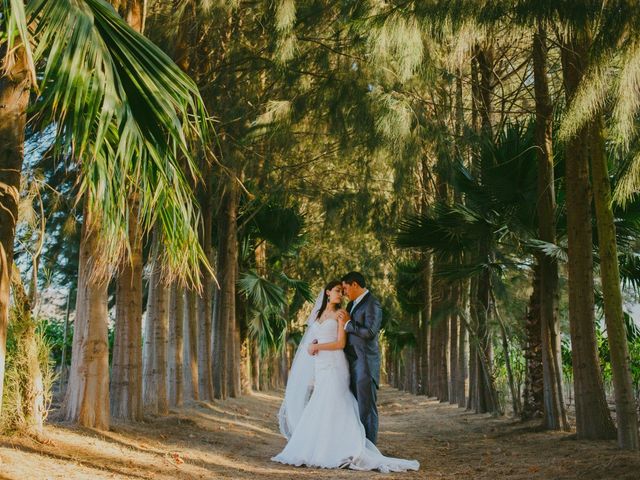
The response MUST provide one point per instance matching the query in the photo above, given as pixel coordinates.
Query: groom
(362, 351)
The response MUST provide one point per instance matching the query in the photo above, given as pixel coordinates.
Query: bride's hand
(313, 349)
(343, 316)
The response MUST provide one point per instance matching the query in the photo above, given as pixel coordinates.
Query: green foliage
(12, 398)
(125, 113)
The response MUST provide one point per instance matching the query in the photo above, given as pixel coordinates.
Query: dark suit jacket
(362, 349)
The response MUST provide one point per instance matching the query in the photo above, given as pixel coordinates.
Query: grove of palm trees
(179, 179)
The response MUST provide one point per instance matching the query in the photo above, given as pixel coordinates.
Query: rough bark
(533, 403)
(555, 416)
(227, 264)
(14, 98)
(463, 357)
(626, 413)
(126, 363)
(156, 330)
(255, 364)
(191, 345)
(87, 397)
(593, 420)
(176, 325)
(453, 344)
(204, 305)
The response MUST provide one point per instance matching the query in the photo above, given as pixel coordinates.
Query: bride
(319, 414)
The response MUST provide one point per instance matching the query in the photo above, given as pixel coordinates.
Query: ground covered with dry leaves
(235, 439)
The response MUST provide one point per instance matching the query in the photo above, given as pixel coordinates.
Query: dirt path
(236, 438)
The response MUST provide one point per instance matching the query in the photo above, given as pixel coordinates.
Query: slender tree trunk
(204, 305)
(472, 403)
(487, 394)
(554, 410)
(515, 399)
(191, 344)
(176, 325)
(236, 382)
(626, 413)
(126, 364)
(443, 358)
(227, 261)
(533, 405)
(593, 420)
(245, 367)
(434, 338)
(425, 324)
(15, 85)
(463, 358)
(453, 345)
(255, 365)
(156, 333)
(65, 336)
(87, 397)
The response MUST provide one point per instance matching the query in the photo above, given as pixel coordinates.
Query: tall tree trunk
(555, 416)
(442, 326)
(65, 335)
(424, 331)
(487, 394)
(472, 403)
(15, 85)
(434, 337)
(463, 358)
(245, 367)
(191, 345)
(156, 330)
(176, 325)
(626, 413)
(593, 420)
(204, 305)
(87, 397)
(453, 344)
(515, 399)
(255, 364)
(533, 405)
(227, 261)
(236, 382)
(126, 363)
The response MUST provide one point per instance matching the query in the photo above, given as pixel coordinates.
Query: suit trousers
(364, 388)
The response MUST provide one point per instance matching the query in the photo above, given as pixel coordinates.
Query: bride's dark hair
(325, 297)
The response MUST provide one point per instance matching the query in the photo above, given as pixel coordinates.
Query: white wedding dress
(328, 433)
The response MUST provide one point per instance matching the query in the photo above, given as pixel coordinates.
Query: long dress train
(329, 433)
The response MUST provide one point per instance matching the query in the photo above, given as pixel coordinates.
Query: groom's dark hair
(356, 277)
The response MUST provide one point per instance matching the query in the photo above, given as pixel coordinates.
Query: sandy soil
(236, 438)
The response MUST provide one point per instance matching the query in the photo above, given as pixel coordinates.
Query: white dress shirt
(355, 302)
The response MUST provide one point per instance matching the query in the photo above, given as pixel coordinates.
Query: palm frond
(129, 115)
(552, 250)
(301, 292)
(269, 329)
(263, 294)
(630, 270)
(447, 229)
(15, 32)
(282, 226)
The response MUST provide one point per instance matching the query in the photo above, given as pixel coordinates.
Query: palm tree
(123, 110)
(497, 211)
